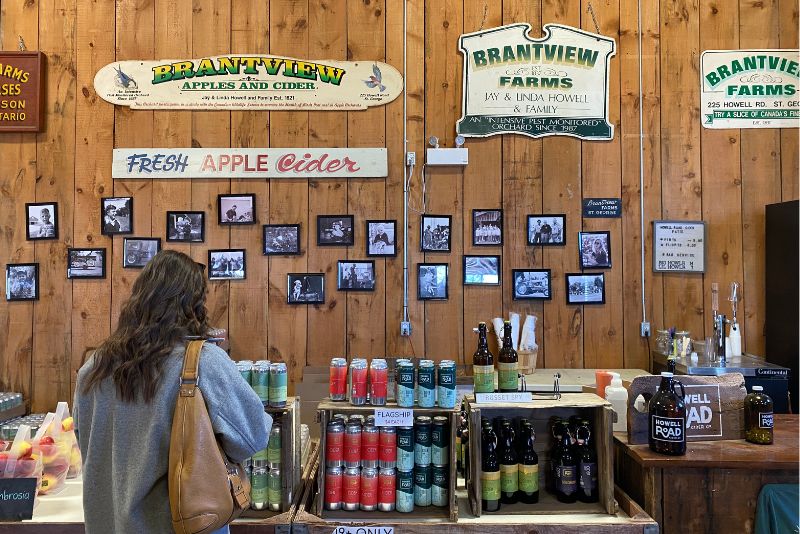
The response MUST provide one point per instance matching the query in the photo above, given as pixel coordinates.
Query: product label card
(487, 398)
(364, 530)
(668, 429)
(394, 417)
(765, 420)
(602, 208)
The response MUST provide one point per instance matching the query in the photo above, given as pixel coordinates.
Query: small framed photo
(356, 275)
(435, 233)
(281, 239)
(432, 281)
(42, 221)
(547, 229)
(237, 209)
(227, 264)
(481, 270)
(335, 230)
(137, 251)
(594, 250)
(532, 284)
(117, 215)
(305, 288)
(381, 238)
(86, 263)
(487, 228)
(22, 281)
(586, 288)
(186, 226)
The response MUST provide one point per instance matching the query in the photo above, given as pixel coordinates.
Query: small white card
(394, 417)
(364, 530)
(519, 396)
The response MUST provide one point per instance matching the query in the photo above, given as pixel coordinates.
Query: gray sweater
(125, 446)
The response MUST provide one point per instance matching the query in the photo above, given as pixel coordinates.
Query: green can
(439, 485)
(274, 491)
(404, 497)
(260, 458)
(440, 438)
(278, 384)
(259, 380)
(274, 447)
(422, 485)
(245, 368)
(446, 384)
(405, 384)
(259, 488)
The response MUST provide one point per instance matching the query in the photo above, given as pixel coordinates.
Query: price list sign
(679, 246)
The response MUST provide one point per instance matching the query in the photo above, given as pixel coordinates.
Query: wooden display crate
(325, 412)
(540, 412)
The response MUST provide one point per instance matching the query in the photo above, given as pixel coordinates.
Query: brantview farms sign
(557, 85)
(258, 163)
(248, 82)
(21, 91)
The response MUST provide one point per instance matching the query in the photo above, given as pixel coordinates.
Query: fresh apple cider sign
(21, 91)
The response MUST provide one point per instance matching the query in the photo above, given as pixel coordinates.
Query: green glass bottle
(758, 417)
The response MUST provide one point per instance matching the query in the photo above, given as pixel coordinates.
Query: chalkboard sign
(16, 498)
(679, 246)
(602, 208)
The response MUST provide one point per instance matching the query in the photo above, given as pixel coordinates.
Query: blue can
(405, 384)
(404, 497)
(426, 383)
(446, 384)
(439, 485)
(422, 440)
(405, 448)
(422, 485)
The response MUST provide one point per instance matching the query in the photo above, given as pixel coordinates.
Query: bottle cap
(758, 388)
(616, 382)
(667, 374)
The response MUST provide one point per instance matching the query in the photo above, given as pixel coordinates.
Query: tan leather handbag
(206, 490)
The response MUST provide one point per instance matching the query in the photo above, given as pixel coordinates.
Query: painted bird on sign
(375, 79)
(125, 81)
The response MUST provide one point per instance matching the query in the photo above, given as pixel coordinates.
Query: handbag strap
(190, 374)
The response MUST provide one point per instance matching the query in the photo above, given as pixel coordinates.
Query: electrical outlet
(411, 158)
(645, 329)
(405, 328)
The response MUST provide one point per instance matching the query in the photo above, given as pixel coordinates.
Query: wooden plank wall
(724, 177)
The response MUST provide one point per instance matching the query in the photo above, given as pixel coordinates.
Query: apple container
(20, 461)
(55, 449)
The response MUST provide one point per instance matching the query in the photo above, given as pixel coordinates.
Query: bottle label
(507, 376)
(669, 429)
(588, 480)
(509, 481)
(529, 478)
(765, 420)
(490, 485)
(566, 479)
(483, 378)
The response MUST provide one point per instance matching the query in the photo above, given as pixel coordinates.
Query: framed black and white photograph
(481, 270)
(355, 275)
(86, 263)
(547, 229)
(186, 226)
(305, 288)
(117, 215)
(237, 209)
(335, 230)
(281, 239)
(227, 264)
(586, 288)
(137, 251)
(381, 238)
(432, 281)
(22, 281)
(42, 220)
(487, 227)
(595, 250)
(435, 233)
(532, 284)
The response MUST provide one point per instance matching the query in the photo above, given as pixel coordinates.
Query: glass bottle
(483, 364)
(557, 432)
(507, 363)
(567, 471)
(490, 471)
(758, 417)
(528, 468)
(509, 478)
(587, 483)
(667, 418)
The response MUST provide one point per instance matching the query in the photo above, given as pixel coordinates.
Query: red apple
(25, 468)
(47, 440)
(3, 461)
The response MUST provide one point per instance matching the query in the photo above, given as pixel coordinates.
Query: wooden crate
(325, 412)
(539, 412)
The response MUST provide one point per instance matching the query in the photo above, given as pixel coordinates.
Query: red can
(378, 382)
(333, 488)
(352, 445)
(338, 379)
(369, 489)
(334, 445)
(388, 447)
(351, 488)
(369, 446)
(386, 489)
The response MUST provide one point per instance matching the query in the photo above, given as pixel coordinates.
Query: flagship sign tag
(21, 91)
(557, 85)
(750, 88)
(249, 82)
(703, 411)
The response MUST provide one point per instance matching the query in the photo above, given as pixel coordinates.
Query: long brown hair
(167, 304)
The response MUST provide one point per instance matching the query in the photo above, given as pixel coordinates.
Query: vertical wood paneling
(790, 163)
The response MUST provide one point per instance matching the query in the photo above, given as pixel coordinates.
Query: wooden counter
(715, 486)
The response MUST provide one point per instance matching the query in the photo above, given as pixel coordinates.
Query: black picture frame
(88, 261)
(437, 290)
(229, 201)
(278, 245)
(133, 258)
(588, 256)
(305, 288)
(124, 221)
(473, 262)
(211, 270)
(174, 237)
(327, 236)
(524, 288)
(575, 282)
(487, 239)
(51, 209)
(559, 231)
(430, 242)
(15, 293)
(345, 284)
(380, 249)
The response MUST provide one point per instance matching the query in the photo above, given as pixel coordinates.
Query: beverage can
(338, 379)
(274, 490)
(405, 448)
(404, 499)
(358, 382)
(378, 382)
(386, 489)
(388, 447)
(278, 384)
(446, 384)
(426, 384)
(352, 444)
(440, 439)
(422, 485)
(369, 489)
(259, 487)
(351, 488)
(259, 380)
(274, 447)
(334, 444)
(333, 488)
(439, 485)
(370, 437)
(422, 440)
(405, 384)
(245, 368)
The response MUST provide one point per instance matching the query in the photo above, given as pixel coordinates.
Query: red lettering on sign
(289, 163)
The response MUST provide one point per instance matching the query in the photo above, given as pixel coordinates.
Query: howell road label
(703, 411)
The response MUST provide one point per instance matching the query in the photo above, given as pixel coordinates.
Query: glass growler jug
(667, 418)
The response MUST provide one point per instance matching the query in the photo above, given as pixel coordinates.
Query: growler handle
(679, 383)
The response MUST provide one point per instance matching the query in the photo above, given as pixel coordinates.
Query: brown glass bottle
(509, 478)
(758, 417)
(507, 362)
(587, 467)
(667, 418)
(566, 480)
(490, 471)
(528, 467)
(483, 364)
